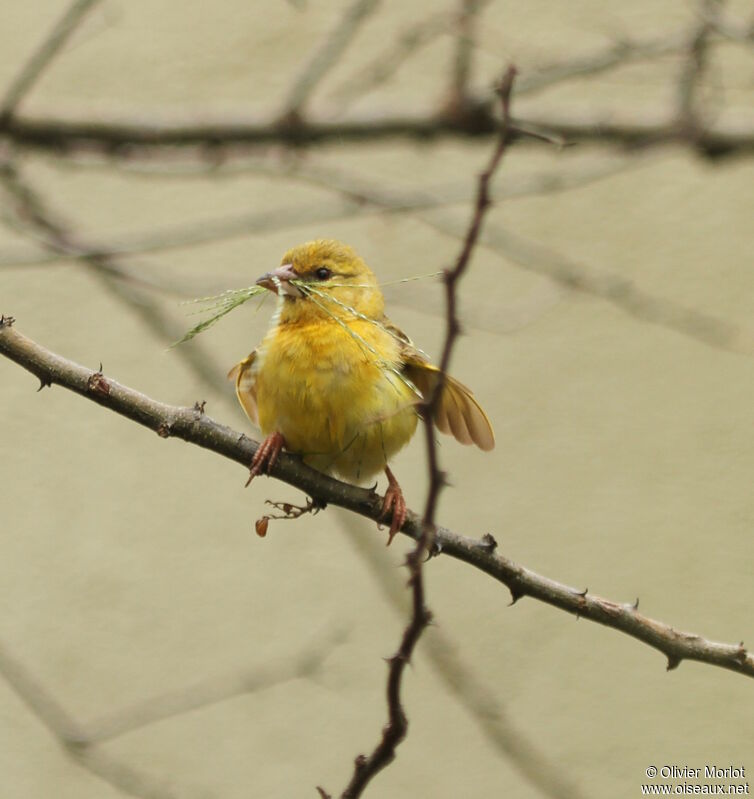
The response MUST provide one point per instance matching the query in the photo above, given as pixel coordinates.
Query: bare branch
(43, 57)
(190, 424)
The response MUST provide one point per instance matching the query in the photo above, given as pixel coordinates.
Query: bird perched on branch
(336, 382)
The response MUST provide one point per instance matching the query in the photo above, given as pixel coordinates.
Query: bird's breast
(336, 394)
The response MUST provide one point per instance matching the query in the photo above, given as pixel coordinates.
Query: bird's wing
(246, 389)
(457, 412)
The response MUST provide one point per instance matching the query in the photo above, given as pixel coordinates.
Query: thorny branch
(393, 733)
(473, 691)
(190, 424)
(366, 768)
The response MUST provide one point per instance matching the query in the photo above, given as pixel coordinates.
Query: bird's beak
(278, 281)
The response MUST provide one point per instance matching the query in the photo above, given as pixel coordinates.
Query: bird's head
(324, 278)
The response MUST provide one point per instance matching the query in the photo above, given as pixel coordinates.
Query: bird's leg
(393, 501)
(266, 455)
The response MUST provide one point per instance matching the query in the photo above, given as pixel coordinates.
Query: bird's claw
(266, 455)
(394, 502)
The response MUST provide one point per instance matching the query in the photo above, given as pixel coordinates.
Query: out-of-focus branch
(393, 733)
(459, 100)
(42, 57)
(694, 67)
(387, 63)
(79, 741)
(619, 53)
(739, 32)
(55, 235)
(607, 285)
(135, 139)
(303, 664)
(326, 56)
(191, 424)
(356, 199)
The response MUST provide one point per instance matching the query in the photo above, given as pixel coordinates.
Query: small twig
(191, 425)
(43, 56)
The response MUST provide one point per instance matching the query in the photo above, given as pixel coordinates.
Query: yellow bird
(336, 382)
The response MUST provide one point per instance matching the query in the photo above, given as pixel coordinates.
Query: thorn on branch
(516, 594)
(488, 543)
(6, 321)
(635, 605)
(323, 793)
(435, 549)
(673, 663)
(199, 407)
(44, 382)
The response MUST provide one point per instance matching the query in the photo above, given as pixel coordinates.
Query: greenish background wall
(130, 574)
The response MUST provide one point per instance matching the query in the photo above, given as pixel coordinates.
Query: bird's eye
(322, 273)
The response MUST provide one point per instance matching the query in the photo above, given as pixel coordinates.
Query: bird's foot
(394, 502)
(266, 455)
